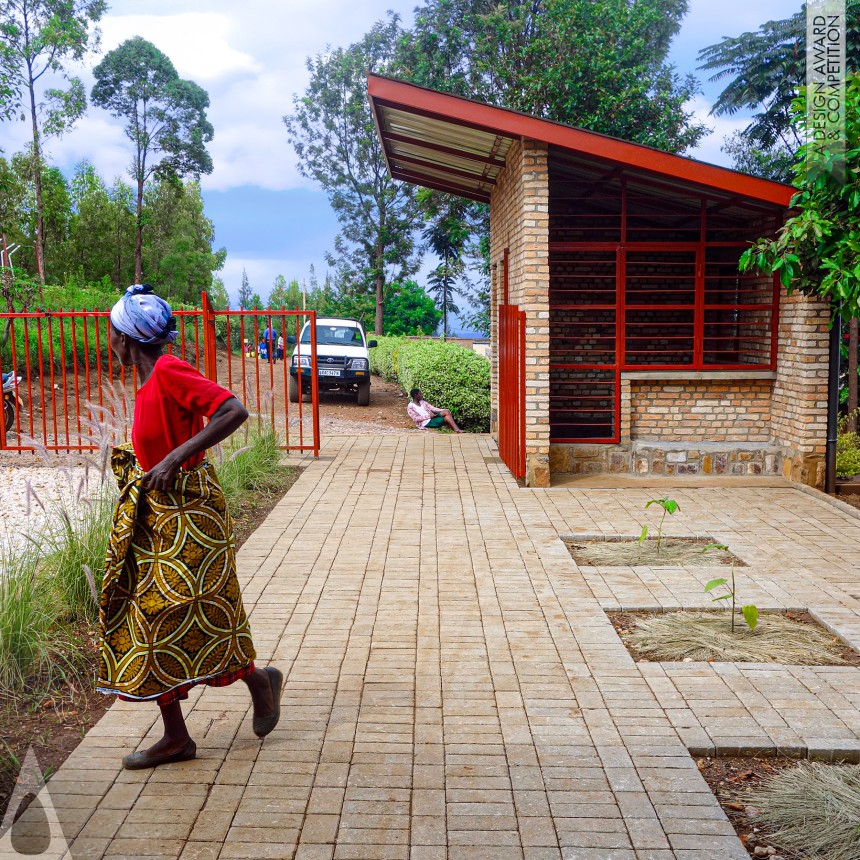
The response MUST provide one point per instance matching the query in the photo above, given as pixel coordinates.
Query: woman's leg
(449, 420)
(176, 734)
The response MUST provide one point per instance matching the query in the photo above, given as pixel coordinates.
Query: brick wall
(799, 409)
(701, 411)
(519, 221)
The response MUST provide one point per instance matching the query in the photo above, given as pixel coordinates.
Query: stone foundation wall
(667, 459)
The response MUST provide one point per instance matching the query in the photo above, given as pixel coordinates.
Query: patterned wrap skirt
(171, 612)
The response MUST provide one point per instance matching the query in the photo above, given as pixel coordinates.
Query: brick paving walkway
(454, 689)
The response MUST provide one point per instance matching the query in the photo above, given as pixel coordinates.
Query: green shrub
(449, 376)
(383, 357)
(847, 441)
(848, 463)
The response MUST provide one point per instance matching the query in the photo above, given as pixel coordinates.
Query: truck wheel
(363, 396)
(293, 390)
(8, 414)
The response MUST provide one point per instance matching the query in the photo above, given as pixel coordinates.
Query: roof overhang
(458, 145)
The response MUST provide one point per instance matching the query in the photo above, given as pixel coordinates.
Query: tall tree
(764, 71)
(333, 133)
(218, 295)
(447, 235)
(245, 294)
(177, 249)
(39, 37)
(612, 76)
(165, 118)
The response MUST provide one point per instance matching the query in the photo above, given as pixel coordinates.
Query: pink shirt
(421, 412)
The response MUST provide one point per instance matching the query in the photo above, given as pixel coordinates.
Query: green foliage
(669, 506)
(30, 644)
(246, 464)
(165, 118)
(177, 249)
(449, 376)
(818, 251)
(408, 310)
(773, 162)
(245, 293)
(749, 610)
(39, 37)
(847, 462)
(74, 553)
(384, 357)
(766, 68)
(334, 136)
(612, 76)
(90, 229)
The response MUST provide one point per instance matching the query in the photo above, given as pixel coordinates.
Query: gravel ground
(29, 495)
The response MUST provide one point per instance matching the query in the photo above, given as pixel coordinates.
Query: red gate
(73, 391)
(512, 389)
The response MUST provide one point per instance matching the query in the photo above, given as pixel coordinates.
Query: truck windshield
(334, 335)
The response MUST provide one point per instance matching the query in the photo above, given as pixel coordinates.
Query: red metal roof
(458, 145)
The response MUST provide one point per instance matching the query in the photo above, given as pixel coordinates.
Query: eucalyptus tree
(165, 119)
(333, 134)
(39, 38)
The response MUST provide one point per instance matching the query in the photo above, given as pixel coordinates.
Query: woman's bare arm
(229, 416)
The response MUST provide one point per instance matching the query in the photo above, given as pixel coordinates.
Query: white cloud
(250, 58)
(196, 42)
(723, 126)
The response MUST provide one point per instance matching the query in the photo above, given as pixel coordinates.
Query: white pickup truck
(343, 363)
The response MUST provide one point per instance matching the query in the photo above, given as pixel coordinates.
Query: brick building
(624, 338)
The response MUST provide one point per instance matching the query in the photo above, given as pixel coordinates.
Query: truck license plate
(325, 371)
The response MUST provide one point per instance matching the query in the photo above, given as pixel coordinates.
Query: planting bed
(781, 808)
(797, 639)
(626, 551)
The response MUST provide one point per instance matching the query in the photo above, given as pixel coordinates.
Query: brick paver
(453, 686)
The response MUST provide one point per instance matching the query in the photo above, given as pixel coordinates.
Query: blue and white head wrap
(144, 316)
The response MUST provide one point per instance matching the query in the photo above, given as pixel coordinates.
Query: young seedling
(750, 611)
(669, 507)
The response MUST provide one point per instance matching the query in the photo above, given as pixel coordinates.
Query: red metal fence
(73, 391)
(512, 388)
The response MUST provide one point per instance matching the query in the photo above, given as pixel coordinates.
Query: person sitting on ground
(425, 415)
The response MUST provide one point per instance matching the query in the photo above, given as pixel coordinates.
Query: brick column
(519, 221)
(799, 405)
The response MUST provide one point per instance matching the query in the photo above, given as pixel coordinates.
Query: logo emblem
(330, 360)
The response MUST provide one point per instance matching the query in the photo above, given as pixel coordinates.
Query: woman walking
(171, 612)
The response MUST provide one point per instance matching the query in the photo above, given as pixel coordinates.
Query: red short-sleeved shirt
(170, 408)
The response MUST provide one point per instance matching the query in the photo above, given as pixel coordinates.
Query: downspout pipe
(832, 405)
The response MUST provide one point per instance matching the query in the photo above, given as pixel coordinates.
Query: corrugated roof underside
(448, 154)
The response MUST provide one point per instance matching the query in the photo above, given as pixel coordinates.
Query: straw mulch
(707, 636)
(674, 552)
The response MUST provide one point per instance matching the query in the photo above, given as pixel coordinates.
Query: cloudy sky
(250, 57)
